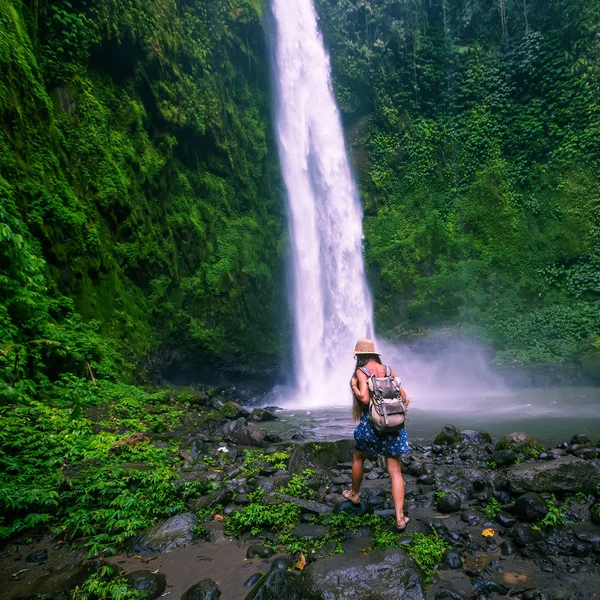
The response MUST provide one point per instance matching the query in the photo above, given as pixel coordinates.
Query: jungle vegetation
(474, 131)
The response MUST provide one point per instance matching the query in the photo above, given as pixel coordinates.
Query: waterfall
(331, 303)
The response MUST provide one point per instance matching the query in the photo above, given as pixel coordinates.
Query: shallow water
(550, 415)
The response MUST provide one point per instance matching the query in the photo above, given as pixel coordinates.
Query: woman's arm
(360, 387)
(405, 399)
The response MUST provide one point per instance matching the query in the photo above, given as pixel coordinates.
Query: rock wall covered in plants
(139, 190)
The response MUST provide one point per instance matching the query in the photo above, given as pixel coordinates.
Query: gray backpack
(386, 411)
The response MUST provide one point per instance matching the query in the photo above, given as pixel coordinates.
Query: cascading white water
(331, 302)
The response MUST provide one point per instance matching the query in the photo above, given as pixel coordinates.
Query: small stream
(550, 415)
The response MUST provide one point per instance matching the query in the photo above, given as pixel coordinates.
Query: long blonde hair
(357, 406)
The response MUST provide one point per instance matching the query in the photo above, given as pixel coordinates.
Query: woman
(368, 441)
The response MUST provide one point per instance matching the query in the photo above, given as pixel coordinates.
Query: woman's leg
(357, 473)
(393, 467)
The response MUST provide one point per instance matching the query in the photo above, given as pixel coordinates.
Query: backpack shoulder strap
(388, 371)
(365, 370)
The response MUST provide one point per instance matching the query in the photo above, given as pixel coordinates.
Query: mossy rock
(320, 456)
(520, 443)
(232, 410)
(447, 436)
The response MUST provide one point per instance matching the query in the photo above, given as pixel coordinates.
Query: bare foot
(352, 496)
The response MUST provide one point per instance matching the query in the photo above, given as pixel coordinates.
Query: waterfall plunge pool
(550, 415)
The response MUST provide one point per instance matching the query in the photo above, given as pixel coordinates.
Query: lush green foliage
(474, 130)
(137, 187)
(492, 509)
(89, 486)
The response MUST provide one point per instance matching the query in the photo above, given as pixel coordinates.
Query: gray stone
(530, 507)
(358, 510)
(310, 531)
(148, 585)
(587, 533)
(524, 534)
(521, 443)
(452, 558)
(449, 503)
(259, 551)
(447, 436)
(309, 505)
(475, 438)
(568, 474)
(37, 557)
(242, 433)
(502, 458)
(206, 589)
(321, 457)
(385, 574)
(172, 533)
(278, 583)
(261, 414)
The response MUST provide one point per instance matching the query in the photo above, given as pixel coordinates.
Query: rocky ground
(488, 520)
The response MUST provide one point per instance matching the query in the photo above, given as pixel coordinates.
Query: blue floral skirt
(386, 444)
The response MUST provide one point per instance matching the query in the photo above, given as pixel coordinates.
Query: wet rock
(523, 534)
(568, 474)
(501, 458)
(37, 557)
(426, 479)
(595, 511)
(586, 453)
(148, 585)
(310, 531)
(272, 438)
(449, 503)
(277, 583)
(252, 580)
(472, 517)
(446, 591)
(262, 414)
(206, 589)
(447, 436)
(358, 510)
(172, 533)
(452, 558)
(580, 549)
(587, 533)
(580, 438)
(60, 582)
(309, 505)
(530, 507)
(219, 497)
(507, 548)
(475, 438)
(259, 551)
(232, 410)
(505, 519)
(385, 574)
(242, 433)
(520, 443)
(321, 457)
(298, 437)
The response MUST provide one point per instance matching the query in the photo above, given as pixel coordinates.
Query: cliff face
(139, 188)
(474, 132)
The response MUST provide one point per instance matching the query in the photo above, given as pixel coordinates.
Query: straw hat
(365, 346)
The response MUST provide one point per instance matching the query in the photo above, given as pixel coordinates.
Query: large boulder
(447, 436)
(386, 573)
(530, 507)
(568, 474)
(520, 443)
(242, 433)
(206, 589)
(278, 583)
(147, 585)
(321, 457)
(172, 533)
